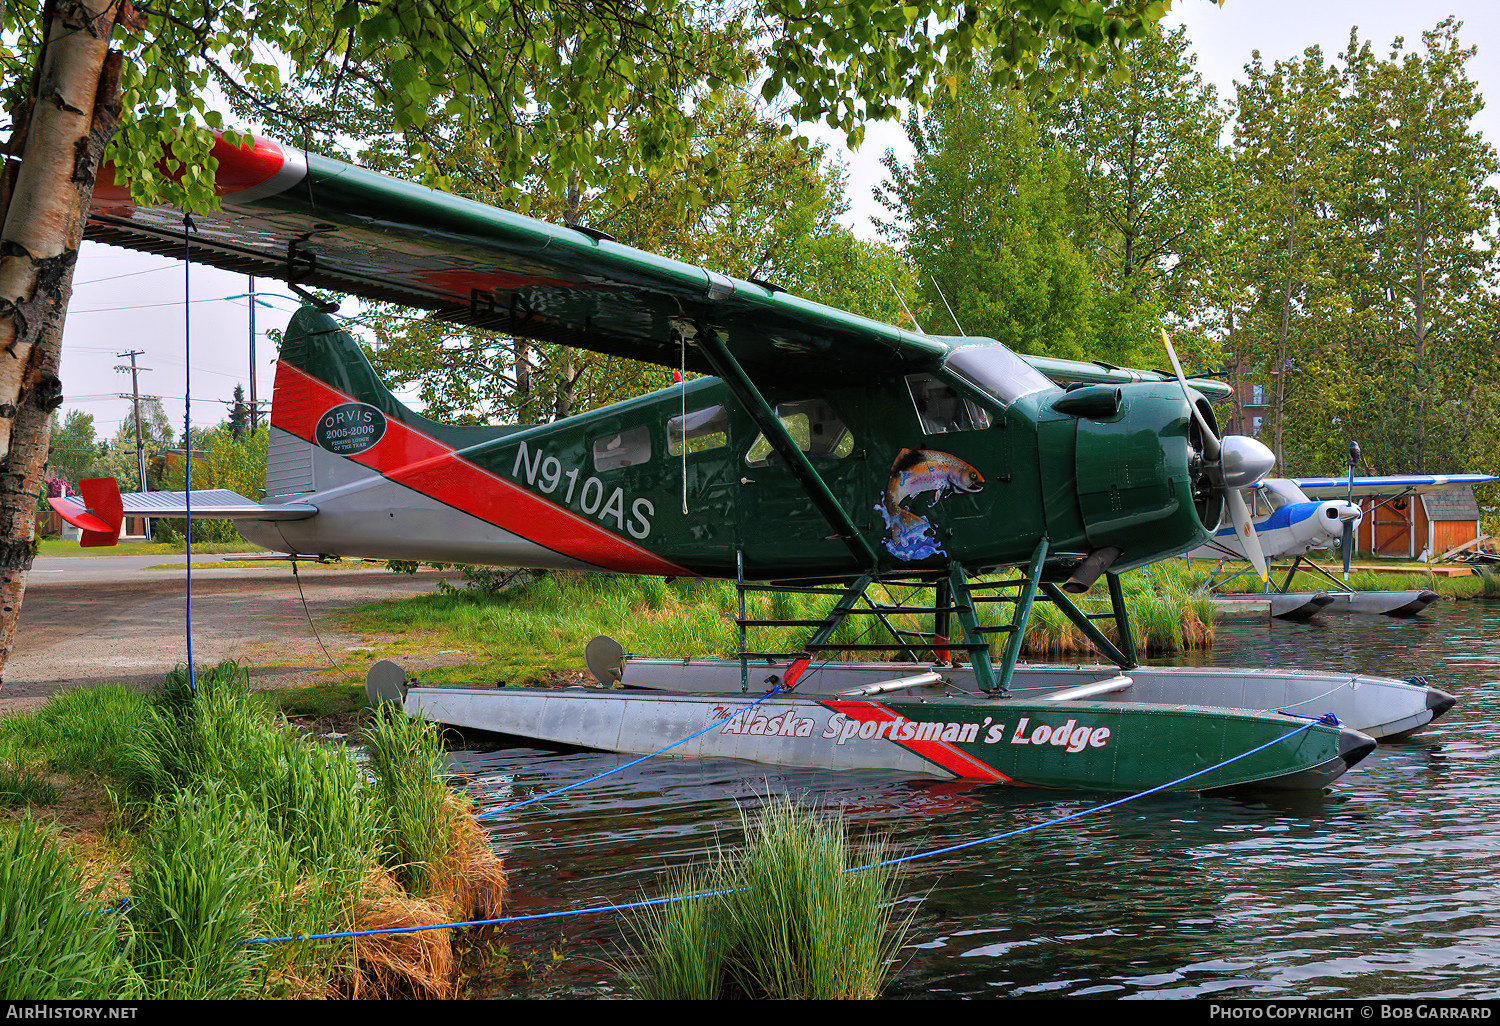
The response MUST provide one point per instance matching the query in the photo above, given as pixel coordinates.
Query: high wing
(315, 222)
(1384, 487)
(319, 223)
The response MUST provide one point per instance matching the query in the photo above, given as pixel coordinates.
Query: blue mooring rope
(1327, 720)
(187, 426)
(599, 776)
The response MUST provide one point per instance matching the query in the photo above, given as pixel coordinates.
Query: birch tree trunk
(72, 115)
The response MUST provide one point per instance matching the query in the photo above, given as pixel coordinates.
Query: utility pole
(135, 396)
(254, 409)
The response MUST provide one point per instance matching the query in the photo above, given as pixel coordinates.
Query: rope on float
(1327, 720)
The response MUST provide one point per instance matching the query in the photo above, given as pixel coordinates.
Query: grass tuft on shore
(57, 939)
(783, 918)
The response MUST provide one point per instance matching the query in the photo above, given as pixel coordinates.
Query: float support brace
(1023, 616)
(1085, 623)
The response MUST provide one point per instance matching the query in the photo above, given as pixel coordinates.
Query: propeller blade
(1347, 545)
(1239, 513)
(1210, 440)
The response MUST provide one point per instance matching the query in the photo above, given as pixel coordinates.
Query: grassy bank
(196, 823)
(537, 629)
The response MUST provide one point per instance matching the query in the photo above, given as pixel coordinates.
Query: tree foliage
(1371, 245)
(552, 86)
(74, 448)
(983, 214)
(1338, 247)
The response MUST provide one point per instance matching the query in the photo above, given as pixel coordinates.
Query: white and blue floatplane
(1292, 517)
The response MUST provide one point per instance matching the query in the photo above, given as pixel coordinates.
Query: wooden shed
(1433, 522)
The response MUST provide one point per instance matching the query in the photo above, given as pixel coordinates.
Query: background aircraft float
(827, 452)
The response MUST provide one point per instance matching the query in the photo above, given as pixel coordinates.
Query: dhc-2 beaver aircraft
(825, 452)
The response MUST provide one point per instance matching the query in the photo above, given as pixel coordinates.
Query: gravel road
(106, 619)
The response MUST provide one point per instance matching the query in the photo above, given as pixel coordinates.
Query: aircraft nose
(1334, 515)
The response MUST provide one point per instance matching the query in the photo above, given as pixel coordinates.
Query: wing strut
(739, 384)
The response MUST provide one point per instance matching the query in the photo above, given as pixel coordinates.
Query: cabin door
(781, 531)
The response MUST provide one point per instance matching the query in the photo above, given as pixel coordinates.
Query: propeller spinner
(1234, 463)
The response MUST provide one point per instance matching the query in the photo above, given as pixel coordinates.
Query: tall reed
(194, 889)
(782, 918)
(408, 767)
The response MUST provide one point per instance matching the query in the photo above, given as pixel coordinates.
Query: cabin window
(941, 409)
(815, 428)
(627, 449)
(698, 431)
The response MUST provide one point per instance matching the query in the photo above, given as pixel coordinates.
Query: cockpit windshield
(998, 371)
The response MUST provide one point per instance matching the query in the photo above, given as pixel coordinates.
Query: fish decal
(916, 472)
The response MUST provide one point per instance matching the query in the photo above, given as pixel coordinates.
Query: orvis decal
(583, 492)
(350, 428)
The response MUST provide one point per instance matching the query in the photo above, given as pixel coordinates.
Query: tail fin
(328, 397)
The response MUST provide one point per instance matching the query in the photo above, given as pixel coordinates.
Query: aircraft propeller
(1236, 462)
(1346, 544)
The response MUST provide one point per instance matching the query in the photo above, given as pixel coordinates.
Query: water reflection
(1380, 886)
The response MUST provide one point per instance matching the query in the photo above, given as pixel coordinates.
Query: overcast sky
(124, 301)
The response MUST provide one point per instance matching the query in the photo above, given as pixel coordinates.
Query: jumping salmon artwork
(915, 472)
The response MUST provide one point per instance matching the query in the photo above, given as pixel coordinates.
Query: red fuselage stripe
(414, 459)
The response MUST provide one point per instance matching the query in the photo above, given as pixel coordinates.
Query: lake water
(1385, 885)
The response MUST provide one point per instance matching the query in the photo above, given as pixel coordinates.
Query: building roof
(1455, 502)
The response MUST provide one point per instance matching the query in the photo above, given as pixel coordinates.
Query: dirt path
(86, 625)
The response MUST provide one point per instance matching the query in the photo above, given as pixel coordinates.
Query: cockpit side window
(698, 431)
(941, 409)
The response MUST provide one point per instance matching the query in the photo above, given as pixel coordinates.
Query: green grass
(785, 919)
(242, 827)
(79, 731)
(22, 787)
(56, 942)
(540, 627)
(61, 547)
(318, 702)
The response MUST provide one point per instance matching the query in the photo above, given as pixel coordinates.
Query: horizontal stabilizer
(207, 503)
